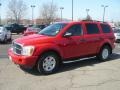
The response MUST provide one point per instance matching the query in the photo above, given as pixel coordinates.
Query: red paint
(66, 47)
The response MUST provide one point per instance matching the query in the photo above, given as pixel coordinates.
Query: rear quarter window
(105, 28)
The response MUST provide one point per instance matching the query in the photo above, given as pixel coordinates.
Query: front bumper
(25, 61)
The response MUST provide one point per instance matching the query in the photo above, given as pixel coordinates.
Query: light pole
(87, 10)
(104, 7)
(32, 6)
(0, 13)
(61, 8)
(72, 10)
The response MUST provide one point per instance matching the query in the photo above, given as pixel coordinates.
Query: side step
(78, 60)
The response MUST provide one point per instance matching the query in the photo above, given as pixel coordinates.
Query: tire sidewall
(40, 63)
(101, 52)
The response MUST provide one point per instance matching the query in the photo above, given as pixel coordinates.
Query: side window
(105, 28)
(76, 30)
(92, 28)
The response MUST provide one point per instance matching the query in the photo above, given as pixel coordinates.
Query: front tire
(104, 53)
(48, 63)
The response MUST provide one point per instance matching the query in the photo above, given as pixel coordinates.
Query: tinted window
(8, 28)
(92, 28)
(75, 30)
(105, 28)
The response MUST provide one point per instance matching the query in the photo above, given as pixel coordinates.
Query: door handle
(82, 40)
(100, 38)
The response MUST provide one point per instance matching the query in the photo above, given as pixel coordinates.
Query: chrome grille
(17, 48)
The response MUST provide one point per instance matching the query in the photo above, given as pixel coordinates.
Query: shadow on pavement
(6, 43)
(75, 65)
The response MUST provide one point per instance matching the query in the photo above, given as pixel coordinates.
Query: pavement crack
(84, 71)
(98, 84)
(71, 81)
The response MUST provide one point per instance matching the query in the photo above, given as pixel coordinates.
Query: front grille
(17, 48)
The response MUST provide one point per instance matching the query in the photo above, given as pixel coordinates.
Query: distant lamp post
(61, 8)
(32, 6)
(87, 10)
(0, 13)
(104, 8)
(72, 10)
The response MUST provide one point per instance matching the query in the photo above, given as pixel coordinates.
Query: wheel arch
(106, 44)
(50, 51)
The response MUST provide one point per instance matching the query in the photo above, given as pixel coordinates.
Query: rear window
(105, 28)
(92, 28)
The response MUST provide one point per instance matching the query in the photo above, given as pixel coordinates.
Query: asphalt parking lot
(89, 74)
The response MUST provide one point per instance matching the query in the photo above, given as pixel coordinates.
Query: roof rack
(94, 21)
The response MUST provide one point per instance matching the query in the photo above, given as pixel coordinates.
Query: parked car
(63, 42)
(33, 29)
(117, 35)
(16, 28)
(5, 34)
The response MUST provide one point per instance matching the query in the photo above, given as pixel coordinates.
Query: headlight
(28, 50)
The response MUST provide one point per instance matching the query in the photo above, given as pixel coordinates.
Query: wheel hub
(105, 53)
(49, 63)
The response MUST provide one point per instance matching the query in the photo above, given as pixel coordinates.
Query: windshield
(35, 26)
(8, 28)
(53, 29)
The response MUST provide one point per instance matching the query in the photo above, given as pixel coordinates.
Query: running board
(78, 60)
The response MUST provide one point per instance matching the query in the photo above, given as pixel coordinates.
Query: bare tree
(16, 9)
(48, 12)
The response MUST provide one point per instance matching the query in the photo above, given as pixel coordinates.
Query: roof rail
(94, 21)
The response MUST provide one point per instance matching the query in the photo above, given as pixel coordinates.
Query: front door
(73, 46)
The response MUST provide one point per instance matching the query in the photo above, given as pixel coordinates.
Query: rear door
(92, 37)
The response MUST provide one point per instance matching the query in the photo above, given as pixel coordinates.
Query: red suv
(61, 42)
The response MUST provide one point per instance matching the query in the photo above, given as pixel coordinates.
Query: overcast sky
(96, 11)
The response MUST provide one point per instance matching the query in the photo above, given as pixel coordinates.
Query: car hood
(33, 39)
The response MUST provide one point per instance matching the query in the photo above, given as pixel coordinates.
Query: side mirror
(68, 34)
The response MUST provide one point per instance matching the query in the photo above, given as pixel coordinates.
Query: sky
(80, 6)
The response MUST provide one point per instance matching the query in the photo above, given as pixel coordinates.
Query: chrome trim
(81, 59)
(14, 47)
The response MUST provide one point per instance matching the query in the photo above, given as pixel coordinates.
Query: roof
(94, 21)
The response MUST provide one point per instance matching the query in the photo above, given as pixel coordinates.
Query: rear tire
(104, 53)
(48, 63)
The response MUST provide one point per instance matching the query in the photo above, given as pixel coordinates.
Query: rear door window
(92, 28)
